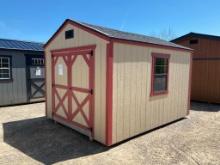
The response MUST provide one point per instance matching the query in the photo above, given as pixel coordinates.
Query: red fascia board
(90, 30)
(55, 34)
(108, 38)
(87, 29)
(109, 93)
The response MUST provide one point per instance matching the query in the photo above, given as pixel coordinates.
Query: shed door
(35, 77)
(73, 87)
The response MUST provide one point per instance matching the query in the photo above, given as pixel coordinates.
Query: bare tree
(165, 34)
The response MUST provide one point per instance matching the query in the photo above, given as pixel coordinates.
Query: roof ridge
(111, 33)
(88, 24)
(204, 34)
(120, 31)
(196, 34)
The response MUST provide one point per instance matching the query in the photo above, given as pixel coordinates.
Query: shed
(113, 85)
(206, 66)
(21, 72)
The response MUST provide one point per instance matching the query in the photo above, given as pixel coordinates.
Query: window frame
(10, 69)
(37, 61)
(67, 34)
(154, 56)
(194, 41)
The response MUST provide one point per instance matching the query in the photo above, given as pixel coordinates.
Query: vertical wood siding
(14, 92)
(82, 38)
(134, 111)
(206, 65)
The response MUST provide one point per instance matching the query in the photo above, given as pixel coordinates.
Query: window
(37, 61)
(5, 68)
(69, 34)
(194, 41)
(159, 78)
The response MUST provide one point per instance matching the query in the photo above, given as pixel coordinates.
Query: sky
(37, 20)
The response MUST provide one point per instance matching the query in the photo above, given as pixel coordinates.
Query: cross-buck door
(35, 77)
(73, 83)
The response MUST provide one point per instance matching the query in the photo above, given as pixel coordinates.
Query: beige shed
(112, 85)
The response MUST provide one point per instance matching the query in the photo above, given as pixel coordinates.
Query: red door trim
(72, 122)
(61, 100)
(92, 87)
(67, 54)
(109, 92)
(74, 49)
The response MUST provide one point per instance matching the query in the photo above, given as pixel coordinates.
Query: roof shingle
(131, 36)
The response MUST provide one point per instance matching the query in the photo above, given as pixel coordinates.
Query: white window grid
(5, 66)
(37, 61)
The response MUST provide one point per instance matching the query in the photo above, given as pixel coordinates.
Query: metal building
(21, 72)
(113, 85)
(206, 66)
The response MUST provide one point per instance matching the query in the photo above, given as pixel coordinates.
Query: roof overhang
(109, 38)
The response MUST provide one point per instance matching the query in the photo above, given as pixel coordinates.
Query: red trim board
(107, 38)
(109, 92)
(45, 75)
(67, 21)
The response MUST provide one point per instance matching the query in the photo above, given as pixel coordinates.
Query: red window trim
(154, 56)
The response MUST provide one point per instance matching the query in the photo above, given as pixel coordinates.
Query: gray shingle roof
(131, 36)
(21, 45)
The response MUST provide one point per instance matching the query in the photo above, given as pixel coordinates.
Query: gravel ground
(27, 137)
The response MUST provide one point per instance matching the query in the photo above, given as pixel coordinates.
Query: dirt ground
(27, 137)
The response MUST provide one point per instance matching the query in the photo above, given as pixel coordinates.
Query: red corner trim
(45, 76)
(109, 93)
(190, 84)
(155, 55)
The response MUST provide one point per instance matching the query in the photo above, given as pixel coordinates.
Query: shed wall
(83, 38)
(15, 91)
(134, 111)
(206, 65)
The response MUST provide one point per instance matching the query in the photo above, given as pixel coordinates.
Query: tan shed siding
(82, 38)
(134, 111)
